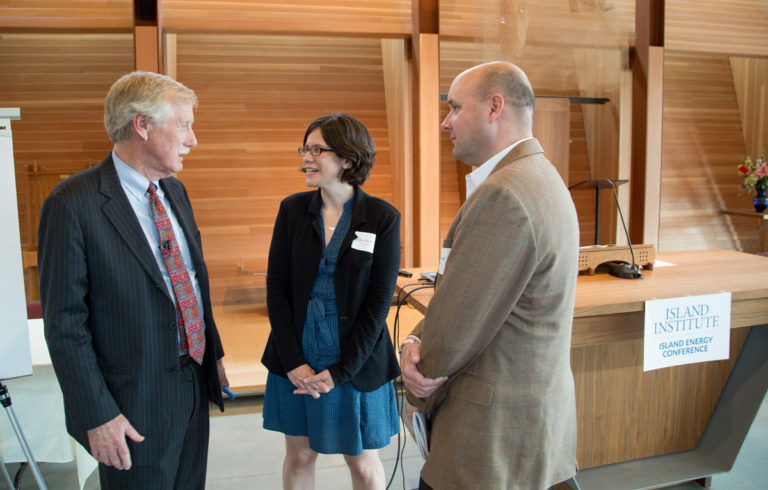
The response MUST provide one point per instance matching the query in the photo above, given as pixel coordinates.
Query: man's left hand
(414, 381)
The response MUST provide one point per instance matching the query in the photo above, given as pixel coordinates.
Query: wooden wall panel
(609, 423)
(373, 18)
(573, 23)
(257, 96)
(66, 14)
(736, 27)
(59, 81)
(702, 144)
(750, 80)
(579, 170)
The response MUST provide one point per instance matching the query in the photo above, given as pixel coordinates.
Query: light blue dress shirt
(135, 186)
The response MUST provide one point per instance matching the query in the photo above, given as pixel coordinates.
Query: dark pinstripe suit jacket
(110, 322)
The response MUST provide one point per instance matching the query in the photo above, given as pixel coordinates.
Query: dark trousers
(174, 453)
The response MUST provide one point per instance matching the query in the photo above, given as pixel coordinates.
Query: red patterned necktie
(187, 310)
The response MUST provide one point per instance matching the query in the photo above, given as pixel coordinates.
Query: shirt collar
(131, 180)
(477, 176)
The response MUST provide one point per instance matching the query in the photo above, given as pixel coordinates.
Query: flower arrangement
(754, 173)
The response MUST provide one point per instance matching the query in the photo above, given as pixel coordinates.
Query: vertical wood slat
(427, 225)
(653, 145)
(398, 90)
(624, 153)
(551, 126)
(146, 49)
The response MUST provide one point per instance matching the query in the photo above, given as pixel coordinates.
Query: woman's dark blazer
(365, 283)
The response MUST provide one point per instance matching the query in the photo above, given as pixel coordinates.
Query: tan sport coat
(499, 326)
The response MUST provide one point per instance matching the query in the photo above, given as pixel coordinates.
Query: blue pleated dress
(346, 420)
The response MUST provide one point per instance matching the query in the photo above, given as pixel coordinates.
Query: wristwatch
(411, 339)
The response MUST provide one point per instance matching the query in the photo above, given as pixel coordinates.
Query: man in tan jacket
(490, 362)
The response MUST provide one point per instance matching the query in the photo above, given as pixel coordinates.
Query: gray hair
(146, 93)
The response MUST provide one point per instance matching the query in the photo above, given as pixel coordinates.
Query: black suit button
(342, 319)
(174, 370)
(172, 325)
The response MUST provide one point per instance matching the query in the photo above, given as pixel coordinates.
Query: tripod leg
(5, 398)
(6, 476)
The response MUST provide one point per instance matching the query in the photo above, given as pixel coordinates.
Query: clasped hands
(307, 382)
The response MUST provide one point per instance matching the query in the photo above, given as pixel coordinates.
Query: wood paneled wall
(750, 81)
(702, 145)
(257, 96)
(738, 27)
(59, 81)
(369, 18)
(519, 23)
(69, 14)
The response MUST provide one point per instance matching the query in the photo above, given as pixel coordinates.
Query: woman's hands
(308, 383)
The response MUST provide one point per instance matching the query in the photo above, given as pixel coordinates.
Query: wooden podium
(641, 429)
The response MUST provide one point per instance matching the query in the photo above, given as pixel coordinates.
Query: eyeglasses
(314, 150)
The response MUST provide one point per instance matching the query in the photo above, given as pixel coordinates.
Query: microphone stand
(624, 271)
(5, 399)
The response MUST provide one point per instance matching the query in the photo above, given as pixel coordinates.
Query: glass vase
(760, 201)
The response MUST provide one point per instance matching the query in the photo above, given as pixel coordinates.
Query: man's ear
(141, 125)
(495, 107)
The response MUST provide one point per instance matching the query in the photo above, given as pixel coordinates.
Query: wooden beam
(397, 92)
(649, 28)
(426, 133)
(147, 40)
(170, 55)
(625, 151)
(427, 154)
(654, 122)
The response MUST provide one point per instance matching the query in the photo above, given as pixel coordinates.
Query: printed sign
(687, 330)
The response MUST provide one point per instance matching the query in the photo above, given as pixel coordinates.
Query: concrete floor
(245, 456)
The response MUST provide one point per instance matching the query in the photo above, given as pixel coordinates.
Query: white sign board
(15, 358)
(687, 330)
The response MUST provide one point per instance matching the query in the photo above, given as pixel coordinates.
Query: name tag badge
(364, 241)
(444, 252)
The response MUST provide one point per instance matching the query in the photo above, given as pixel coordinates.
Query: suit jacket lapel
(120, 213)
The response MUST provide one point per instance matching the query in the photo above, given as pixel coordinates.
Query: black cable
(401, 300)
(634, 272)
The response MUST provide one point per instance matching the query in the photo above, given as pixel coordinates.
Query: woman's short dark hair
(349, 139)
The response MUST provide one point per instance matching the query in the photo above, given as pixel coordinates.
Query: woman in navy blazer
(332, 270)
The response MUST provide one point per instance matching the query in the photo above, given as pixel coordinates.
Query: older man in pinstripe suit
(490, 362)
(136, 388)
